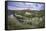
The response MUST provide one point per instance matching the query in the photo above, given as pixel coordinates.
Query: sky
(22, 5)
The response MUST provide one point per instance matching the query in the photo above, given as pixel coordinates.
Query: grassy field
(25, 19)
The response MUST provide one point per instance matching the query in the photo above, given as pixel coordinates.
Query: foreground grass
(14, 24)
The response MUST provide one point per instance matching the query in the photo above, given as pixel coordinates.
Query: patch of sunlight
(27, 13)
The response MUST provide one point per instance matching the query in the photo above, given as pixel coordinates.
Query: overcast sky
(21, 6)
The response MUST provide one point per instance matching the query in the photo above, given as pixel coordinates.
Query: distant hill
(11, 11)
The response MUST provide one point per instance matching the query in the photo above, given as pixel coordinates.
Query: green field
(26, 19)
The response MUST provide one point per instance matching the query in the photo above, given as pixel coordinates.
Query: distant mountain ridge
(11, 11)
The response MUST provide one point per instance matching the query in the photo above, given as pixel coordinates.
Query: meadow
(26, 19)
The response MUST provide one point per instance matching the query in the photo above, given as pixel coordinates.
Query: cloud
(21, 6)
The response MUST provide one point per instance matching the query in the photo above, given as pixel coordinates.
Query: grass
(14, 24)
